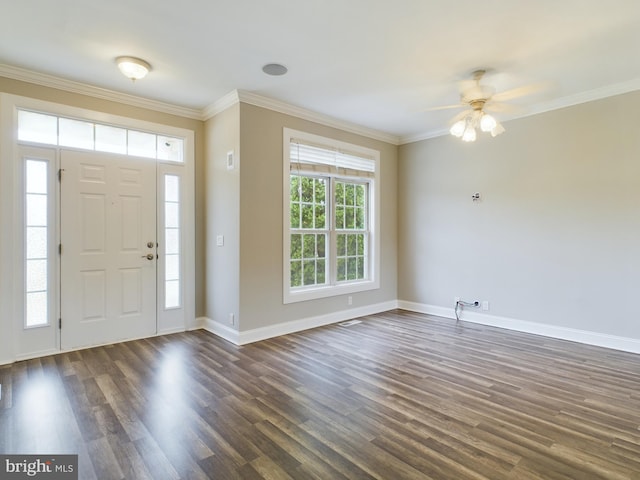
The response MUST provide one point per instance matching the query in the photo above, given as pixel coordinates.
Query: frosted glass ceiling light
(469, 134)
(476, 118)
(497, 130)
(457, 129)
(133, 68)
(487, 123)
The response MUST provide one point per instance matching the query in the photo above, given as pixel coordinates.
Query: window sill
(313, 293)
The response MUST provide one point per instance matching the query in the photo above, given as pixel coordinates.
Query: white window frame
(332, 288)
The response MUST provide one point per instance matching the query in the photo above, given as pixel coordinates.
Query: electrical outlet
(232, 319)
(349, 300)
(485, 305)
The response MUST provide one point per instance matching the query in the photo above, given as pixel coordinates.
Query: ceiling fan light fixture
(477, 99)
(133, 68)
(457, 129)
(469, 134)
(497, 130)
(487, 123)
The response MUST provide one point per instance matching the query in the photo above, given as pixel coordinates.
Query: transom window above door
(68, 132)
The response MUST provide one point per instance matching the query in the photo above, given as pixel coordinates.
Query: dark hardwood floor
(398, 396)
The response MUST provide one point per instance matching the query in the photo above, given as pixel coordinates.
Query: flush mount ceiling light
(133, 68)
(274, 69)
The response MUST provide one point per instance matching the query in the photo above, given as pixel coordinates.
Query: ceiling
(375, 63)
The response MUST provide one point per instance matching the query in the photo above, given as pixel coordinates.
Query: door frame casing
(12, 293)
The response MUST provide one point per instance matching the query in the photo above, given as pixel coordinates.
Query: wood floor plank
(313, 465)
(367, 456)
(129, 460)
(398, 396)
(155, 460)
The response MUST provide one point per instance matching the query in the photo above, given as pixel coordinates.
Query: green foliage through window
(350, 206)
(308, 265)
(310, 230)
(351, 257)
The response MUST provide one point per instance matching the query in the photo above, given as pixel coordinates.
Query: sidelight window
(172, 277)
(37, 228)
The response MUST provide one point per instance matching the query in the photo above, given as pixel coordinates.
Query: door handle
(148, 256)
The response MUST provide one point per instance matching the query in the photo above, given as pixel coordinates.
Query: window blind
(307, 157)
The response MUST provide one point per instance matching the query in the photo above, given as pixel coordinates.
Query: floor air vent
(350, 323)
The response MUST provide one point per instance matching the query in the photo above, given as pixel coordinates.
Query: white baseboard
(198, 324)
(631, 345)
(263, 333)
(217, 328)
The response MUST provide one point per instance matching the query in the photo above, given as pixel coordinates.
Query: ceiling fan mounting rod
(478, 74)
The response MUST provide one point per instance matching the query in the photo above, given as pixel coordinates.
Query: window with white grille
(330, 240)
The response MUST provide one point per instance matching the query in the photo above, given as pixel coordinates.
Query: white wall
(555, 238)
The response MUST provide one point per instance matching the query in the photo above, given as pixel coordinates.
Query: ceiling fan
(478, 99)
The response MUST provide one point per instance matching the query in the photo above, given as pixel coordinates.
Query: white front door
(109, 250)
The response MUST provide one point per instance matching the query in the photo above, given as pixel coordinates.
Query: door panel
(108, 216)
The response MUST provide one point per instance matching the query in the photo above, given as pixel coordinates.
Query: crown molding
(584, 97)
(224, 102)
(17, 73)
(220, 105)
(423, 136)
(236, 96)
(250, 98)
(305, 114)
(563, 102)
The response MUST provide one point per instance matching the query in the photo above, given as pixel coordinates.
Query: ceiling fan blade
(465, 85)
(444, 107)
(519, 92)
(503, 108)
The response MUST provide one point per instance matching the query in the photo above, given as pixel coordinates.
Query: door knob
(148, 256)
(150, 244)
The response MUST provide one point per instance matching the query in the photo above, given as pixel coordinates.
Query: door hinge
(59, 174)
(60, 323)
(59, 249)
